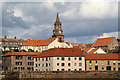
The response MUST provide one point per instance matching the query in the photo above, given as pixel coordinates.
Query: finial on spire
(57, 19)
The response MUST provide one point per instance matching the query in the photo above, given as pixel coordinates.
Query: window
(75, 58)
(69, 58)
(4, 42)
(57, 58)
(49, 64)
(68, 69)
(42, 59)
(36, 59)
(46, 59)
(49, 58)
(57, 64)
(113, 62)
(80, 64)
(42, 65)
(68, 64)
(46, 64)
(31, 63)
(96, 62)
(22, 68)
(119, 63)
(80, 58)
(57, 69)
(90, 61)
(18, 63)
(39, 64)
(114, 68)
(102, 63)
(90, 68)
(102, 68)
(19, 57)
(75, 69)
(63, 64)
(80, 69)
(75, 64)
(62, 69)
(108, 62)
(15, 68)
(30, 57)
(36, 65)
(62, 58)
(9, 42)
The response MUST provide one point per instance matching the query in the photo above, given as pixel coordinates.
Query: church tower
(58, 32)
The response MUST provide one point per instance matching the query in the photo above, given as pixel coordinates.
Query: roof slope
(111, 56)
(38, 42)
(20, 53)
(102, 41)
(61, 52)
(93, 50)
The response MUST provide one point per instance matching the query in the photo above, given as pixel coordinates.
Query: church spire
(57, 18)
(58, 32)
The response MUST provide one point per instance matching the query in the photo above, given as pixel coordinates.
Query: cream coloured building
(60, 59)
(102, 62)
(42, 45)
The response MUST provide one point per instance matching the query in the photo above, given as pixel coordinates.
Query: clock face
(60, 32)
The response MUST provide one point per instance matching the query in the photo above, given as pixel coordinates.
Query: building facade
(60, 59)
(42, 45)
(8, 44)
(107, 44)
(18, 61)
(102, 62)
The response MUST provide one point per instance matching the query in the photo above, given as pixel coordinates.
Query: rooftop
(102, 41)
(111, 56)
(56, 52)
(38, 42)
(20, 53)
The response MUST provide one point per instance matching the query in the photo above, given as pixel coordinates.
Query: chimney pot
(5, 37)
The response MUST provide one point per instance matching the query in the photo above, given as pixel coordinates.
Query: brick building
(19, 61)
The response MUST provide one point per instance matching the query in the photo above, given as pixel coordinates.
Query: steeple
(57, 18)
(58, 32)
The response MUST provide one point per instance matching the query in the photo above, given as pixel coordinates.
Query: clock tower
(58, 32)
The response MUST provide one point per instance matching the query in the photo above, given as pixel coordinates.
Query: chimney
(14, 37)
(5, 37)
(29, 39)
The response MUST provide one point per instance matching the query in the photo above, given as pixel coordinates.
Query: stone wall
(67, 75)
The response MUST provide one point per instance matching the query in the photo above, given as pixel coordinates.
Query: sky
(82, 22)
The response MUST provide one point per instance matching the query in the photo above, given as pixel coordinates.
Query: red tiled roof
(38, 42)
(87, 49)
(61, 52)
(20, 53)
(78, 45)
(102, 41)
(93, 50)
(111, 56)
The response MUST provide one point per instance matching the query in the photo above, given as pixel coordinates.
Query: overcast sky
(81, 21)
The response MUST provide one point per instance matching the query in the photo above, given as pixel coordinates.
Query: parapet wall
(55, 74)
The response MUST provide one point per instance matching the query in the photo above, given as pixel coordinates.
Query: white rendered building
(42, 45)
(60, 59)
